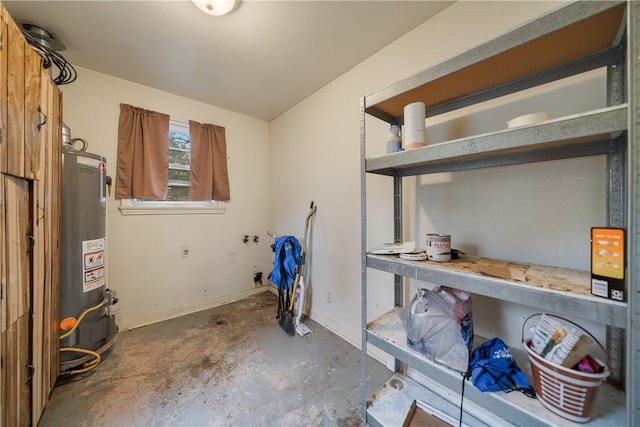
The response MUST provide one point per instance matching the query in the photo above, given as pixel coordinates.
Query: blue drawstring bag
(493, 368)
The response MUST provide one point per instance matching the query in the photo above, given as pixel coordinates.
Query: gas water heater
(87, 306)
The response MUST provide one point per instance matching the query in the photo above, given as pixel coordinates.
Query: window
(177, 201)
(179, 161)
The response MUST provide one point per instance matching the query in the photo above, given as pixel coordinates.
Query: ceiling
(260, 60)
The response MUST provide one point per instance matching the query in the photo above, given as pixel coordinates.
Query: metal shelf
(575, 38)
(557, 293)
(387, 333)
(390, 404)
(584, 134)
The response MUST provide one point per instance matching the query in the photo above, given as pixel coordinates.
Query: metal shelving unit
(460, 274)
(578, 37)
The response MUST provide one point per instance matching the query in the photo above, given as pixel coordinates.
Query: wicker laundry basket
(566, 392)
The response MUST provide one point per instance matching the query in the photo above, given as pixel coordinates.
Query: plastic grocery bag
(439, 325)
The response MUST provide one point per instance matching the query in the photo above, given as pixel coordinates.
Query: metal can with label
(439, 247)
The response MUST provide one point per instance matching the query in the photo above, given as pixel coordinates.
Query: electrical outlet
(186, 251)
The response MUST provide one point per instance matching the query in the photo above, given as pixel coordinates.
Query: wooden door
(16, 322)
(30, 203)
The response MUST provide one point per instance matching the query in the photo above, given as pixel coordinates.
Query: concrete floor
(230, 365)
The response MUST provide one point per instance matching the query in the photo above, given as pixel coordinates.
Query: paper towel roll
(414, 134)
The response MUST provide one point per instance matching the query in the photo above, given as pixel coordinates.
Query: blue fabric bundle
(287, 255)
(493, 368)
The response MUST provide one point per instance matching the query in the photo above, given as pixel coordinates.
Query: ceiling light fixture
(215, 7)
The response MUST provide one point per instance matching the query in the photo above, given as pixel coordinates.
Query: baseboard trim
(174, 312)
(351, 336)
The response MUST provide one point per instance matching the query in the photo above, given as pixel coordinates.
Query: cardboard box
(608, 263)
(418, 417)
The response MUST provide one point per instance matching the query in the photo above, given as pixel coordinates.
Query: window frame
(171, 207)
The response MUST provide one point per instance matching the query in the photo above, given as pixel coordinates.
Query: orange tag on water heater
(68, 323)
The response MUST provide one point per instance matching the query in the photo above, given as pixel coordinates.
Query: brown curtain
(209, 175)
(143, 154)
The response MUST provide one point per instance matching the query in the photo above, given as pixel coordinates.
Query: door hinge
(31, 240)
(41, 213)
(31, 370)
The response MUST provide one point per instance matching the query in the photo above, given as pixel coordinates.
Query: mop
(300, 290)
(302, 329)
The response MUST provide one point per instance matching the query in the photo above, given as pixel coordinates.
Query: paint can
(439, 247)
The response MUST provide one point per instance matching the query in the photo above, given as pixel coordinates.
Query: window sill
(139, 207)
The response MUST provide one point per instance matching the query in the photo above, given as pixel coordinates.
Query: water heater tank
(83, 286)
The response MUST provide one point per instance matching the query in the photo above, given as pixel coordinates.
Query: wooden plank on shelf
(15, 46)
(573, 281)
(518, 53)
(543, 288)
(577, 282)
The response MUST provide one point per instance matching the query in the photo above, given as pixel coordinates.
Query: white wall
(537, 212)
(144, 262)
(312, 152)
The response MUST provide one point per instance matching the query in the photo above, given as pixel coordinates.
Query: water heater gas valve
(110, 303)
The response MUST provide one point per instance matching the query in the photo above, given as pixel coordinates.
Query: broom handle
(312, 210)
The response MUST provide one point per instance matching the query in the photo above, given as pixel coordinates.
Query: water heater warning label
(93, 264)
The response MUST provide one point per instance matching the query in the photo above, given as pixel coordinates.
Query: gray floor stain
(226, 366)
